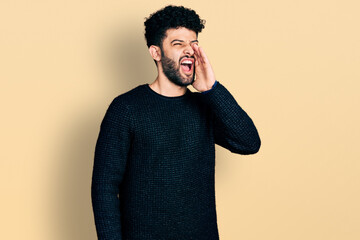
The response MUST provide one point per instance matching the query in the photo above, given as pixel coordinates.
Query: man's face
(177, 56)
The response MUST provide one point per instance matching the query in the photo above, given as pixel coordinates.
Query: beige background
(292, 65)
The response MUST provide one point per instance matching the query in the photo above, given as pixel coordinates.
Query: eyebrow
(178, 40)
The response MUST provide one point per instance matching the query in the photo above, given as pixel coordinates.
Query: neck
(164, 86)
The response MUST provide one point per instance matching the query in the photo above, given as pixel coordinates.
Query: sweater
(154, 163)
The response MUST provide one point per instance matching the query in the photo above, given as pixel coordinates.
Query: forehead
(180, 33)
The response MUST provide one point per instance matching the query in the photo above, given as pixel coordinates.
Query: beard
(172, 71)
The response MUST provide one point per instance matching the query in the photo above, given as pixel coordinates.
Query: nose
(189, 50)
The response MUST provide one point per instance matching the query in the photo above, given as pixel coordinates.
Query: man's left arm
(233, 128)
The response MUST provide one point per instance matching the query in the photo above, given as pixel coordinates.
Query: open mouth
(187, 65)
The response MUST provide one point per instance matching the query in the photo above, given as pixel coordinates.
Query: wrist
(212, 87)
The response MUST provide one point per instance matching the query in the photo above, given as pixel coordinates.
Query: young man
(154, 166)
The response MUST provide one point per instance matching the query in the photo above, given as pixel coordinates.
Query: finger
(196, 57)
(203, 55)
(196, 49)
(196, 64)
(198, 54)
(194, 45)
(196, 60)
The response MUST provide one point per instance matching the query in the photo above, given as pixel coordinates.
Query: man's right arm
(110, 157)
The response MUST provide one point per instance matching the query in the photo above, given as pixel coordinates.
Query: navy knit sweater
(154, 164)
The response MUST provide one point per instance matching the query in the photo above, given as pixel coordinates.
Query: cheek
(176, 57)
(172, 57)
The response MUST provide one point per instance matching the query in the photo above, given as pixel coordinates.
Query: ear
(155, 52)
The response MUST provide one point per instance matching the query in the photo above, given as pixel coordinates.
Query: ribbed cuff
(216, 82)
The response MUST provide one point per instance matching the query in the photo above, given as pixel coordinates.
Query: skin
(172, 70)
(177, 44)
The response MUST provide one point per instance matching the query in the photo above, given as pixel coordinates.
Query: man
(154, 166)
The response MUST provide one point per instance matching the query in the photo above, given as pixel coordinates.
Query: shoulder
(129, 98)
(122, 105)
(120, 109)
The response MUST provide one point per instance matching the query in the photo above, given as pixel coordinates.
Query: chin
(188, 82)
(183, 84)
(188, 79)
(181, 79)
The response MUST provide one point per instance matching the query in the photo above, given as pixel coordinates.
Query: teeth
(186, 62)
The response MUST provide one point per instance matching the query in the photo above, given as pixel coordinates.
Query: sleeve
(233, 128)
(110, 157)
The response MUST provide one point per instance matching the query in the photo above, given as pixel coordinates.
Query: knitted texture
(154, 165)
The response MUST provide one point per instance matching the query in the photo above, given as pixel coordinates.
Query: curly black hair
(169, 17)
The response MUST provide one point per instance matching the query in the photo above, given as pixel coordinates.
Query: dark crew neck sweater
(154, 164)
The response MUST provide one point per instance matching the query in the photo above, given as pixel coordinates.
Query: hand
(204, 75)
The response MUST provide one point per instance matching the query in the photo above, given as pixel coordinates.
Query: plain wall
(293, 66)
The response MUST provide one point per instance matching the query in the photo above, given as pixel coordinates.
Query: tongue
(186, 67)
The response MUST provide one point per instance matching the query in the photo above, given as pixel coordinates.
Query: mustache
(186, 56)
